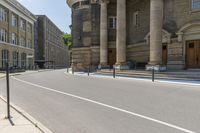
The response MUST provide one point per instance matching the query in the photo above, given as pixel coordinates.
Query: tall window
(15, 59)
(22, 25)
(29, 43)
(195, 4)
(14, 38)
(3, 35)
(3, 14)
(5, 57)
(14, 20)
(112, 22)
(29, 28)
(23, 60)
(22, 42)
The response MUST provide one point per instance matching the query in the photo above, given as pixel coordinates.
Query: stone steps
(180, 75)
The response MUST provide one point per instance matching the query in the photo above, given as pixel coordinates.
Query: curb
(142, 79)
(36, 123)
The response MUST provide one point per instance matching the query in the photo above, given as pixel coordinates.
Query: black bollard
(114, 72)
(89, 71)
(153, 74)
(72, 70)
(8, 91)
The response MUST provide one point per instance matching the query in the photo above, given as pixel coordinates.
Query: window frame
(114, 22)
(14, 20)
(3, 14)
(29, 28)
(29, 43)
(22, 41)
(23, 60)
(14, 38)
(3, 35)
(191, 7)
(22, 24)
(15, 59)
(5, 57)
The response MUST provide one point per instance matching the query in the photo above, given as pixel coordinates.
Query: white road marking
(108, 106)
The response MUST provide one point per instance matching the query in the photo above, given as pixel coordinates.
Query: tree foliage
(67, 40)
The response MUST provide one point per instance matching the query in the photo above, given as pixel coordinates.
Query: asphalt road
(80, 104)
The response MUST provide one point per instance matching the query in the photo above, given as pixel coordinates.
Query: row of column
(156, 23)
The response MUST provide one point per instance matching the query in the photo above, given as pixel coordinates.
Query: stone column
(156, 24)
(121, 35)
(104, 34)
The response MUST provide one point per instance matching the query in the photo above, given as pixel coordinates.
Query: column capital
(104, 1)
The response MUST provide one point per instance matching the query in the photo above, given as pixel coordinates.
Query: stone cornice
(19, 9)
(22, 9)
(71, 2)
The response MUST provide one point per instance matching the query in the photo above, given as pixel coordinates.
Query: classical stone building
(16, 35)
(160, 33)
(50, 49)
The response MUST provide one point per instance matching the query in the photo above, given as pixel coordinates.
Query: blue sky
(56, 10)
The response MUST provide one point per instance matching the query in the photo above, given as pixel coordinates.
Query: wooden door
(198, 54)
(193, 54)
(111, 56)
(164, 55)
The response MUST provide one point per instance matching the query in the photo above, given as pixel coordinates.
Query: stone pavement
(18, 123)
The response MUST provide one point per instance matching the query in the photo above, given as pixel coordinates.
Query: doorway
(193, 54)
(111, 56)
(164, 54)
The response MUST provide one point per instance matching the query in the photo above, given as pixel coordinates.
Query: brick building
(50, 49)
(16, 35)
(160, 33)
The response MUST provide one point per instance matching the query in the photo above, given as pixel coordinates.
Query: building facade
(16, 35)
(50, 49)
(160, 33)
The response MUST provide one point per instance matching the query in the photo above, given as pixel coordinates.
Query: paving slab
(17, 123)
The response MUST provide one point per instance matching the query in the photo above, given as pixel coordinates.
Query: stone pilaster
(121, 35)
(104, 34)
(156, 24)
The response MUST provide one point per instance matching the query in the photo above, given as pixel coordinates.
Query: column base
(159, 68)
(121, 66)
(103, 66)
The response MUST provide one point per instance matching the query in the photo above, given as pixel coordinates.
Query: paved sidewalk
(18, 123)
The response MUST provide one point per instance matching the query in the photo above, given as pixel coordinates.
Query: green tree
(67, 40)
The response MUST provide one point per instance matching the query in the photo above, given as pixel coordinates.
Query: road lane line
(108, 106)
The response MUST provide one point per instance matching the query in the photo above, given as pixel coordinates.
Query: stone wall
(138, 52)
(176, 58)
(81, 58)
(86, 26)
(137, 33)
